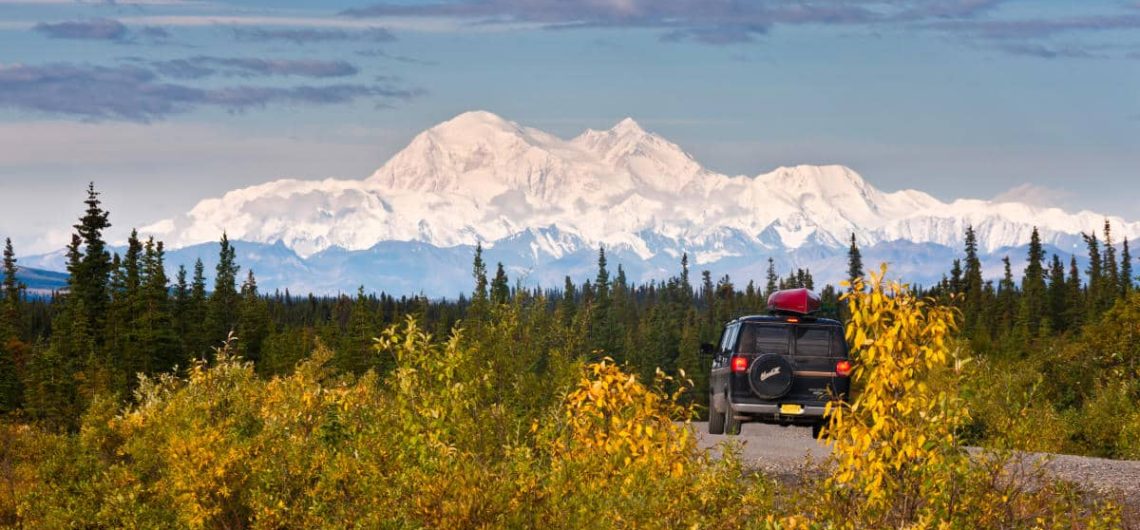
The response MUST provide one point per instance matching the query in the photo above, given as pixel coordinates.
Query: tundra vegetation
(129, 402)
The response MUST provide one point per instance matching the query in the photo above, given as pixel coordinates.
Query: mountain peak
(475, 120)
(626, 126)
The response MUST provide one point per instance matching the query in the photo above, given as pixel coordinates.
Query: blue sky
(166, 102)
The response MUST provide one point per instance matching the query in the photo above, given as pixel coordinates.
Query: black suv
(781, 368)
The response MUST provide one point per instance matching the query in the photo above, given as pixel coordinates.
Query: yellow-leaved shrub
(898, 461)
(616, 456)
(433, 444)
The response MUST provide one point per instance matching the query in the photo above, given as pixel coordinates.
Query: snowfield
(545, 203)
(481, 178)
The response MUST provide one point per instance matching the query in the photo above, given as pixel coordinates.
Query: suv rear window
(764, 339)
(813, 341)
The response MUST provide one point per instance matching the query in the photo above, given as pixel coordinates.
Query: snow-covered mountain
(543, 203)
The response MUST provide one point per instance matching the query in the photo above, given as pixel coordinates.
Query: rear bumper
(770, 412)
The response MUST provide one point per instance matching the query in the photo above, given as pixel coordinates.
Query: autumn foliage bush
(499, 426)
(433, 445)
(897, 455)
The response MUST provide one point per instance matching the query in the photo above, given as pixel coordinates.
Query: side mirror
(707, 350)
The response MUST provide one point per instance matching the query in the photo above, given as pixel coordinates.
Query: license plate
(789, 408)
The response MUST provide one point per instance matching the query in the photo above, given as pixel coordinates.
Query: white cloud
(1035, 195)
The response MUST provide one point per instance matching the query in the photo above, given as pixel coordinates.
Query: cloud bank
(95, 29)
(205, 66)
(724, 22)
(141, 94)
(311, 35)
(99, 29)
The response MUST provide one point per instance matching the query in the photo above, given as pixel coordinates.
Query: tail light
(739, 364)
(843, 368)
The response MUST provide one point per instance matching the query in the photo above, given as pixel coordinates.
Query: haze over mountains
(542, 205)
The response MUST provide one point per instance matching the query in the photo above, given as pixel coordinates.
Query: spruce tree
(956, 281)
(11, 349)
(1058, 296)
(253, 324)
(132, 264)
(620, 281)
(773, 279)
(479, 298)
(973, 283)
(1126, 277)
(1111, 270)
(500, 287)
(603, 329)
(854, 263)
(751, 299)
(829, 302)
(1033, 296)
(358, 354)
(10, 325)
(197, 341)
(569, 304)
(129, 355)
(79, 336)
(179, 313)
(623, 315)
(181, 294)
(158, 336)
(1096, 292)
(1007, 298)
(602, 280)
(1075, 297)
(223, 308)
(725, 299)
(684, 284)
(90, 273)
(707, 298)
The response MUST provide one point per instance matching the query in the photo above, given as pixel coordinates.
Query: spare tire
(770, 376)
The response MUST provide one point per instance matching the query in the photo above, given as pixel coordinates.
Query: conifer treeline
(122, 316)
(1047, 302)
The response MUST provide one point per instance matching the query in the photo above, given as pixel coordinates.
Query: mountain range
(542, 205)
(38, 282)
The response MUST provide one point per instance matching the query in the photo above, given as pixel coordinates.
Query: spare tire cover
(770, 376)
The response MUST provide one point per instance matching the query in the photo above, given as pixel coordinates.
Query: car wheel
(731, 424)
(716, 419)
(816, 430)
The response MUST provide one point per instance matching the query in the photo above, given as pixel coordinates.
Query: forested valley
(131, 374)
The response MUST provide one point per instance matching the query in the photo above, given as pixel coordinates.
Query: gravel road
(782, 451)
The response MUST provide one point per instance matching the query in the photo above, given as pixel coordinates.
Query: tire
(716, 419)
(816, 430)
(770, 376)
(731, 424)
